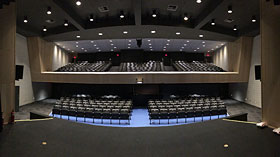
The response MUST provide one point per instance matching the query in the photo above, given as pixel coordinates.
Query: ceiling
(138, 21)
(168, 45)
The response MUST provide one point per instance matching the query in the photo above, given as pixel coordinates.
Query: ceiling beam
(137, 5)
(206, 15)
(70, 15)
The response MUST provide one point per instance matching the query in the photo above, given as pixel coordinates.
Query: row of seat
(146, 66)
(196, 66)
(84, 66)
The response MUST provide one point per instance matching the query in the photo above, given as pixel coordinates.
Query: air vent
(50, 21)
(228, 20)
(172, 7)
(103, 9)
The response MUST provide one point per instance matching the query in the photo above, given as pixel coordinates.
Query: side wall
(250, 92)
(270, 39)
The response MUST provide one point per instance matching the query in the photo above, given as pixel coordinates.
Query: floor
(59, 137)
(233, 106)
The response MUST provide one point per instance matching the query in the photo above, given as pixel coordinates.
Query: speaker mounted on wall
(258, 72)
(19, 72)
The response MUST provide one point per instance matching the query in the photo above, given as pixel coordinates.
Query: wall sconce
(139, 80)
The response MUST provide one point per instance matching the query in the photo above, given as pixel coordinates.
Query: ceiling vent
(103, 9)
(172, 7)
(51, 21)
(228, 20)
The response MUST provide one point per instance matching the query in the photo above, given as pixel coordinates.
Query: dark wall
(140, 94)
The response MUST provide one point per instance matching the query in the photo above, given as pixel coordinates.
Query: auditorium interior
(139, 78)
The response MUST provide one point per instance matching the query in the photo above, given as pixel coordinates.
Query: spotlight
(78, 3)
(100, 34)
(125, 32)
(154, 13)
(44, 28)
(91, 18)
(201, 35)
(122, 15)
(254, 19)
(213, 22)
(198, 1)
(78, 36)
(49, 12)
(25, 20)
(178, 33)
(235, 28)
(66, 23)
(230, 10)
(186, 18)
(153, 32)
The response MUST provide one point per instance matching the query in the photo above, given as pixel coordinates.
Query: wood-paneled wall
(242, 47)
(7, 59)
(270, 43)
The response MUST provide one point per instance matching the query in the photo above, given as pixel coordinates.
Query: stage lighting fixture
(49, 12)
(230, 9)
(139, 42)
(78, 3)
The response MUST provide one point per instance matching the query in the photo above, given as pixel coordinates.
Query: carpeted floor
(59, 137)
(233, 106)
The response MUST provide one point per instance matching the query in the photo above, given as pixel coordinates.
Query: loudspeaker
(19, 72)
(257, 72)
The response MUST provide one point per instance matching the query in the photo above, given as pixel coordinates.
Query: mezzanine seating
(141, 67)
(196, 66)
(86, 107)
(84, 66)
(185, 108)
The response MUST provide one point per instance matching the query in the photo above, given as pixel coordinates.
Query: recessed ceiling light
(45, 29)
(201, 35)
(230, 9)
(168, 40)
(66, 23)
(72, 51)
(254, 19)
(63, 47)
(198, 48)
(128, 47)
(188, 41)
(198, 1)
(185, 44)
(222, 44)
(78, 3)
(213, 22)
(182, 47)
(178, 33)
(77, 42)
(49, 11)
(25, 20)
(235, 28)
(129, 41)
(91, 19)
(154, 13)
(203, 42)
(94, 45)
(149, 40)
(77, 45)
(217, 46)
(153, 32)
(181, 50)
(129, 44)
(112, 44)
(112, 50)
(164, 47)
(151, 47)
(78, 36)
(68, 49)
(194, 50)
(150, 44)
(115, 47)
(97, 48)
(186, 18)
(203, 45)
(92, 41)
(82, 48)
(212, 49)
(208, 51)
(121, 14)
(167, 44)
(125, 32)
(110, 41)
(100, 34)
(85, 50)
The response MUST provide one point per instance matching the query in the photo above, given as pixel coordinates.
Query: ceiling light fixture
(235, 28)
(186, 18)
(91, 19)
(254, 19)
(100, 34)
(201, 35)
(153, 32)
(66, 23)
(78, 36)
(25, 20)
(168, 40)
(213, 22)
(154, 15)
(198, 1)
(178, 33)
(78, 3)
(45, 29)
(125, 32)
(230, 9)
(49, 11)
(122, 15)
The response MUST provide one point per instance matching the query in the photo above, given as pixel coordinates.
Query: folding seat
(172, 113)
(124, 115)
(118, 107)
(214, 110)
(110, 107)
(222, 110)
(97, 113)
(154, 114)
(115, 114)
(64, 110)
(190, 112)
(161, 106)
(152, 107)
(88, 113)
(80, 112)
(181, 113)
(87, 106)
(79, 105)
(177, 106)
(163, 114)
(72, 112)
(169, 106)
(126, 107)
(56, 109)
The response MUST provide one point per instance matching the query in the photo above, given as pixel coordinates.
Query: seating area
(186, 108)
(196, 66)
(85, 66)
(84, 106)
(146, 66)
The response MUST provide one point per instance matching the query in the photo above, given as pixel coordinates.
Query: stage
(66, 138)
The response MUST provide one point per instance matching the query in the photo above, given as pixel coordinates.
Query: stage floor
(139, 118)
(58, 137)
